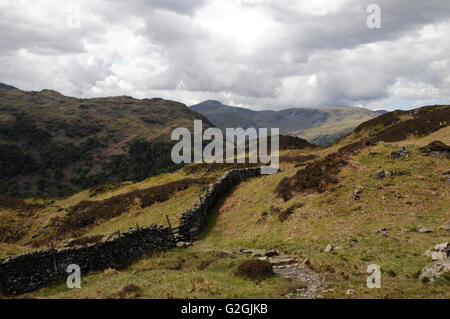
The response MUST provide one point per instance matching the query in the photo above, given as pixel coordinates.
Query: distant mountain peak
(213, 102)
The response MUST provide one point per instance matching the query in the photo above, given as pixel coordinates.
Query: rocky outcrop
(401, 153)
(435, 270)
(439, 252)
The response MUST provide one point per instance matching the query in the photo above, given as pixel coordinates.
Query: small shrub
(127, 292)
(255, 269)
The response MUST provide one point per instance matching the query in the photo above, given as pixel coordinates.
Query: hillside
(320, 126)
(54, 145)
(329, 208)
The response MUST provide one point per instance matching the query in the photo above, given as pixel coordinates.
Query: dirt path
(303, 274)
(293, 269)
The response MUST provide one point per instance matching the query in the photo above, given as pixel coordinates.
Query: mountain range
(320, 126)
(51, 144)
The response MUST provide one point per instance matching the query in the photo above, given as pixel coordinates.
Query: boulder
(438, 255)
(439, 252)
(423, 229)
(442, 247)
(434, 270)
(383, 173)
(401, 153)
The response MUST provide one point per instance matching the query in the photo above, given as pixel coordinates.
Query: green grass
(399, 203)
(179, 273)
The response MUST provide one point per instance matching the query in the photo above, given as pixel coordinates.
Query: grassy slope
(331, 217)
(420, 198)
(77, 137)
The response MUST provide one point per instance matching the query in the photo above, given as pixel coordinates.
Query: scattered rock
(246, 252)
(439, 252)
(382, 232)
(438, 255)
(423, 229)
(401, 153)
(437, 149)
(357, 193)
(354, 243)
(445, 227)
(338, 248)
(329, 248)
(282, 261)
(271, 253)
(434, 270)
(258, 254)
(350, 292)
(382, 174)
(182, 244)
(263, 258)
(442, 247)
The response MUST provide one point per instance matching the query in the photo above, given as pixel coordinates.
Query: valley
(328, 208)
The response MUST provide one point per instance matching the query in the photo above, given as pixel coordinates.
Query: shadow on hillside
(211, 221)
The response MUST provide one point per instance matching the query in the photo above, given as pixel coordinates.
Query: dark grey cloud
(262, 54)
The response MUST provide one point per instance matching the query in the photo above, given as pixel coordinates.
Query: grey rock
(282, 261)
(263, 258)
(329, 248)
(423, 229)
(382, 174)
(258, 254)
(350, 292)
(442, 247)
(438, 255)
(434, 270)
(182, 244)
(381, 232)
(378, 174)
(271, 253)
(354, 243)
(401, 153)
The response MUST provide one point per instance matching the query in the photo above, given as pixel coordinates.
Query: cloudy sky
(260, 54)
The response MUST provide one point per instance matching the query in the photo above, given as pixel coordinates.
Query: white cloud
(257, 53)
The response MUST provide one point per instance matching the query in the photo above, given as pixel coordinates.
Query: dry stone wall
(193, 220)
(33, 270)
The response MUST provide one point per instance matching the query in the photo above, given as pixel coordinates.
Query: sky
(258, 54)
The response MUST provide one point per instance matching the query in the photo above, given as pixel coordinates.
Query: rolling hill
(51, 144)
(320, 126)
(380, 195)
